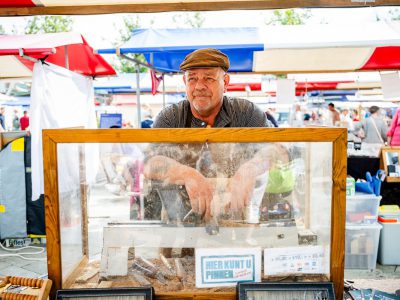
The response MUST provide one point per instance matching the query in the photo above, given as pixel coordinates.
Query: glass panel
(69, 191)
(288, 295)
(151, 205)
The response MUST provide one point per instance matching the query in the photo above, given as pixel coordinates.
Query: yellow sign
(2, 208)
(17, 145)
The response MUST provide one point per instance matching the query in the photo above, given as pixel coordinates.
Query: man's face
(205, 89)
(331, 108)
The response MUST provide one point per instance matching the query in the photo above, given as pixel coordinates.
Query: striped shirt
(234, 112)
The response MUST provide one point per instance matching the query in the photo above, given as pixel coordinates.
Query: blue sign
(110, 120)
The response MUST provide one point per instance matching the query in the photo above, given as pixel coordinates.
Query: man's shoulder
(244, 113)
(171, 115)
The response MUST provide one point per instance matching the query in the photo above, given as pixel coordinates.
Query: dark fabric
(34, 209)
(390, 192)
(234, 113)
(271, 119)
(357, 166)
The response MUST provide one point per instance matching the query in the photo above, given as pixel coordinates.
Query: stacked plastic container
(389, 243)
(362, 231)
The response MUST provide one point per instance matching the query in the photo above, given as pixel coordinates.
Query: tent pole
(66, 57)
(163, 91)
(139, 117)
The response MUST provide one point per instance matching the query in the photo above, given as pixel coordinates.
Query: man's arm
(242, 184)
(171, 172)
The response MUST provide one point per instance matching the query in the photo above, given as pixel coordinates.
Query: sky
(102, 30)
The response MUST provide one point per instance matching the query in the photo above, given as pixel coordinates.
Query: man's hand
(200, 191)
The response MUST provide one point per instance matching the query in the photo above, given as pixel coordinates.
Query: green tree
(394, 14)
(121, 64)
(2, 31)
(48, 24)
(191, 20)
(289, 17)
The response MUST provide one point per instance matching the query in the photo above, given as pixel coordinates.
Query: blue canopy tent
(165, 49)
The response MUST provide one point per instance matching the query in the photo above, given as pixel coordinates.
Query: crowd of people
(370, 125)
(18, 121)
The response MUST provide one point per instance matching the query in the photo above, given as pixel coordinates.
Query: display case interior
(136, 210)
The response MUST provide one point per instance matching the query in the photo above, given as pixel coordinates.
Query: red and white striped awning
(66, 49)
(329, 48)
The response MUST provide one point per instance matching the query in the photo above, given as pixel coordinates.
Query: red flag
(155, 81)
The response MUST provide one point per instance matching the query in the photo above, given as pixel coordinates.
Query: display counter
(271, 207)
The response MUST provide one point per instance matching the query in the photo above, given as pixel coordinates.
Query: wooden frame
(337, 136)
(107, 7)
(384, 162)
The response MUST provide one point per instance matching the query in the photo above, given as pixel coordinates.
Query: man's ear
(227, 78)
(184, 79)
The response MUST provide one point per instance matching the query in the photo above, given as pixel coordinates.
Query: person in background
(271, 117)
(147, 122)
(346, 120)
(334, 118)
(24, 121)
(355, 115)
(2, 118)
(296, 118)
(375, 128)
(16, 124)
(393, 134)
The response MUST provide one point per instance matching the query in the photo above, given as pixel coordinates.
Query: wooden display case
(334, 138)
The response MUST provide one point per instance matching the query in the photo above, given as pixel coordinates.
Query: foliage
(289, 17)
(2, 31)
(191, 20)
(394, 14)
(48, 24)
(121, 64)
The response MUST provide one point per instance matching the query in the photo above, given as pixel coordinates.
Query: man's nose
(200, 85)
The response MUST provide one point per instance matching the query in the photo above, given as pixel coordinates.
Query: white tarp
(59, 99)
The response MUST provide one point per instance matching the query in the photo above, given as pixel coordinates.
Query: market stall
(307, 223)
(57, 55)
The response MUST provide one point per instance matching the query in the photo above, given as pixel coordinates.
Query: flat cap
(205, 58)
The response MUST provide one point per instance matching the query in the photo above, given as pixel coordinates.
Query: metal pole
(139, 115)
(66, 57)
(163, 91)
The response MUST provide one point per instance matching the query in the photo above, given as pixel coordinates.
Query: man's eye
(210, 79)
(191, 79)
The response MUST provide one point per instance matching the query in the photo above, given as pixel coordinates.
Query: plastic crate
(389, 244)
(362, 208)
(362, 246)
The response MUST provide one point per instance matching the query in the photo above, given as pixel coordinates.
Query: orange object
(385, 220)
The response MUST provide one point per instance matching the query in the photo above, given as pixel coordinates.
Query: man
(206, 80)
(334, 119)
(24, 121)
